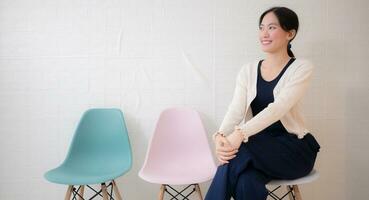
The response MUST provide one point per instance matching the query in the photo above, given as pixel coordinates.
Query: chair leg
(80, 192)
(198, 190)
(104, 192)
(161, 193)
(116, 191)
(290, 190)
(69, 192)
(297, 192)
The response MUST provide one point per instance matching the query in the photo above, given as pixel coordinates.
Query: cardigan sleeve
(236, 109)
(290, 94)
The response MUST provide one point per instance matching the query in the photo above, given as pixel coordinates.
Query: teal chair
(99, 153)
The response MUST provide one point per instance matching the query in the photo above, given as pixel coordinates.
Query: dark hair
(287, 19)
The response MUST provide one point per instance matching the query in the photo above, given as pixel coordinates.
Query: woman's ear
(291, 34)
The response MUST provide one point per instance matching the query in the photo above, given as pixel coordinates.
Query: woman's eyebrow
(270, 24)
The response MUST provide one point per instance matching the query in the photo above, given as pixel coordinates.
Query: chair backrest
(101, 136)
(179, 139)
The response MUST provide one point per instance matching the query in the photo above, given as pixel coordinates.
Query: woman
(272, 142)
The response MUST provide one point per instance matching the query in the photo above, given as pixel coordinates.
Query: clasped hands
(227, 146)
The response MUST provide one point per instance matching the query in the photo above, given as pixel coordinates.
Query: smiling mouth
(266, 42)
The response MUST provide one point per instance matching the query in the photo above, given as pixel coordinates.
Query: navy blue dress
(273, 153)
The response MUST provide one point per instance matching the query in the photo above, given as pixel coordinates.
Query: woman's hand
(224, 149)
(236, 138)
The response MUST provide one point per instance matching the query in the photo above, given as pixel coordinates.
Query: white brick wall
(59, 58)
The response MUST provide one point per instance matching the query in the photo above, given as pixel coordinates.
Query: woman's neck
(276, 59)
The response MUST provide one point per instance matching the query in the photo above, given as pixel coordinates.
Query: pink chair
(178, 153)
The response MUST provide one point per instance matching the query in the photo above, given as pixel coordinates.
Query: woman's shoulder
(301, 67)
(303, 63)
(250, 65)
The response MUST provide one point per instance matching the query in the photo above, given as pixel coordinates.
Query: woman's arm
(236, 109)
(289, 95)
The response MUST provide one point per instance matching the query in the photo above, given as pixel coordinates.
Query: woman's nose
(264, 33)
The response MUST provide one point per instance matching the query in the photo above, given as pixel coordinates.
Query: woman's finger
(226, 158)
(222, 161)
(225, 148)
(227, 153)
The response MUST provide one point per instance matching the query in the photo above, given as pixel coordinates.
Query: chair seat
(313, 175)
(85, 175)
(176, 175)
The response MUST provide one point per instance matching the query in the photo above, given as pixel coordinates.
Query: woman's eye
(271, 28)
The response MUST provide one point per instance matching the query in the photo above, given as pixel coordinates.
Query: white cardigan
(288, 94)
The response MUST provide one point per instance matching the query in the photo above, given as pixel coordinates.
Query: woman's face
(272, 37)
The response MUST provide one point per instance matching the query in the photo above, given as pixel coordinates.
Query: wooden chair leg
(290, 196)
(104, 192)
(161, 193)
(69, 192)
(81, 192)
(297, 192)
(116, 191)
(198, 190)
